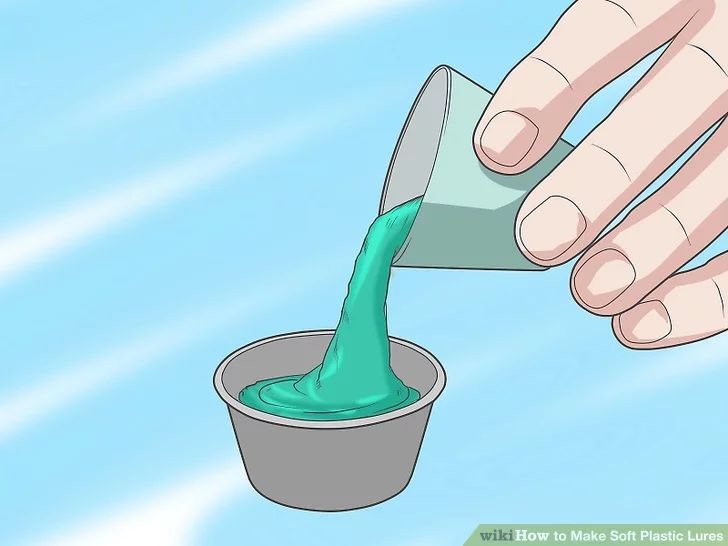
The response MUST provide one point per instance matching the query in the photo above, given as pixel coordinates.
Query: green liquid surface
(355, 378)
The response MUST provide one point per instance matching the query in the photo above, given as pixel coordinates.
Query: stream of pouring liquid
(355, 378)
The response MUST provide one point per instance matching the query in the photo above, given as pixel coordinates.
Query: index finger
(592, 43)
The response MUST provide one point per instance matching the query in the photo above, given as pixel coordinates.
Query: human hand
(630, 273)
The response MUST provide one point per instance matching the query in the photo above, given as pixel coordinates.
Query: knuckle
(717, 275)
(721, 298)
(711, 59)
(673, 218)
(613, 157)
(542, 62)
(622, 8)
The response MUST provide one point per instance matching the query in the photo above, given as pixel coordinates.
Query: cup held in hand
(467, 216)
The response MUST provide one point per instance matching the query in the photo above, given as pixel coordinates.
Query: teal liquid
(355, 379)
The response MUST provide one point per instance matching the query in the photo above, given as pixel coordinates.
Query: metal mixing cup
(326, 465)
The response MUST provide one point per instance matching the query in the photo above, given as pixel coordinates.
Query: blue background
(153, 218)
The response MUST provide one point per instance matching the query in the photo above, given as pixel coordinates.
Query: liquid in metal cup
(327, 465)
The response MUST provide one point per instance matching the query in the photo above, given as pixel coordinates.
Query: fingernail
(508, 137)
(646, 322)
(603, 277)
(551, 228)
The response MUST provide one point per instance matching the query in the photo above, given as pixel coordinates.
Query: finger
(688, 307)
(645, 133)
(659, 236)
(592, 43)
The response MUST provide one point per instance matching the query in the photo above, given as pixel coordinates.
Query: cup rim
(439, 124)
(233, 403)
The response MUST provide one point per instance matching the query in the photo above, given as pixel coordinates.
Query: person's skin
(630, 273)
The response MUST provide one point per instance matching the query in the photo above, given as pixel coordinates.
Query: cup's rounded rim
(438, 90)
(238, 406)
